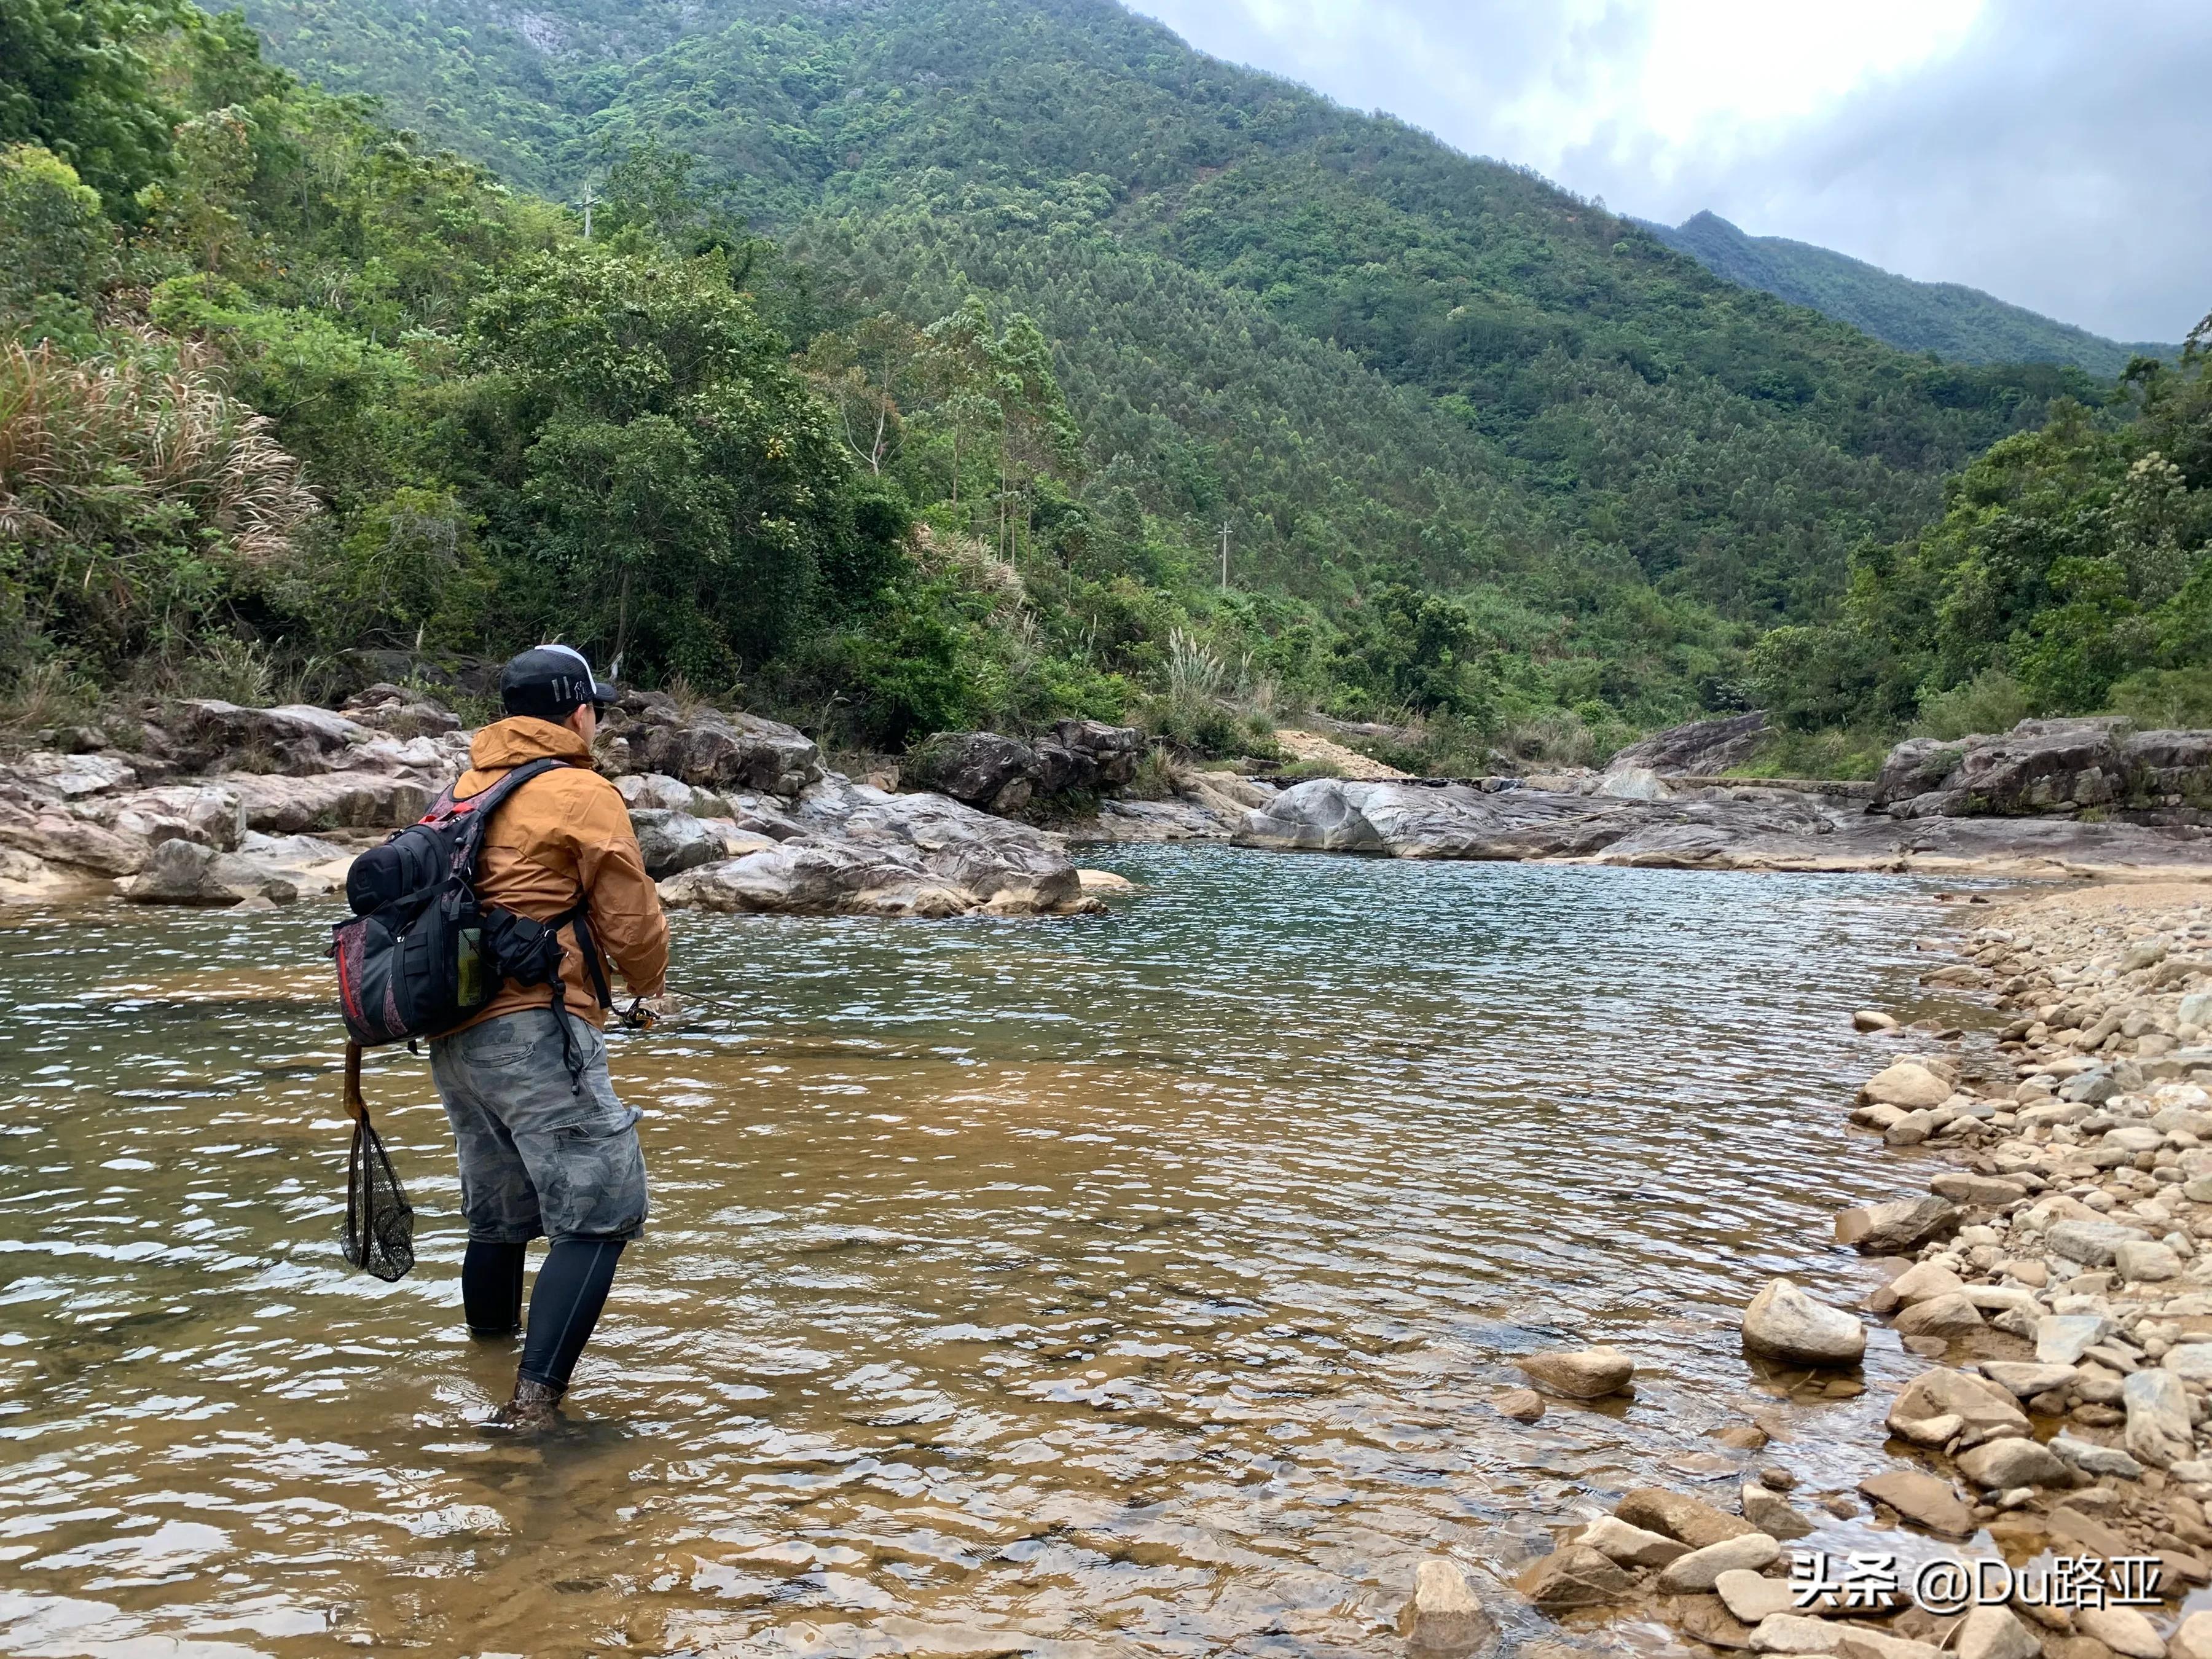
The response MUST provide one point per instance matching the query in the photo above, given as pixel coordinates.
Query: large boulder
(978, 769)
(649, 731)
(205, 734)
(400, 712)
(673, 842)
(287, 805)
(207, 814)
(1086, 756)
(1701, 748)
(185, 872)
(43, 828)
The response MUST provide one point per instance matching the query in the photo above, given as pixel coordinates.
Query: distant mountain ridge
(1960, 324)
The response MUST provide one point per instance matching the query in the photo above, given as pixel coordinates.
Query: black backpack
(419, 954)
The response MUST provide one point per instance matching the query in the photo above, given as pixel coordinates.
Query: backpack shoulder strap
(469, 815)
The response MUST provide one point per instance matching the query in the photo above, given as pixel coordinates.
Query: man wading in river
(545, 1147)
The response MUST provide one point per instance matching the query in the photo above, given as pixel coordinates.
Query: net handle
(356, 1107)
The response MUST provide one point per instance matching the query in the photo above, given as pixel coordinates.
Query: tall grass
(140, 498)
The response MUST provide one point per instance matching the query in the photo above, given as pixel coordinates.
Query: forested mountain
(1960, 324)
(1070, 159)
(900, 364)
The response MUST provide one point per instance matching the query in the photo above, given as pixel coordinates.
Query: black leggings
(564, 1308)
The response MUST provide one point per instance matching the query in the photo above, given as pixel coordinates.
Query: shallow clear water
(1131, 1284)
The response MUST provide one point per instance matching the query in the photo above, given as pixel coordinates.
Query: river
(1127, 1285)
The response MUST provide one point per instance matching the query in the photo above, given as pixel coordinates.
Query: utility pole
(589, 202)
(1225, 556)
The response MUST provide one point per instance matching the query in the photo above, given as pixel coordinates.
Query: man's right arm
(624, 904)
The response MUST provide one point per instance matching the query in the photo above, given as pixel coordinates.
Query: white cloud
(2049, 152)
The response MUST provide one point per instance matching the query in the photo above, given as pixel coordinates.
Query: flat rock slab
(1921, 1499)
(2092, 1243)
(1678, 1515)
(1575, 1576)
(1737, 827)
(2025, 1378)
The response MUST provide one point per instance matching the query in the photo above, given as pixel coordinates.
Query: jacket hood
(520, 739)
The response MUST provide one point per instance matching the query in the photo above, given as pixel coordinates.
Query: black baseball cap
(551, 682)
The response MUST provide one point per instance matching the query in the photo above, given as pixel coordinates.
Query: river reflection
(1133, 1284)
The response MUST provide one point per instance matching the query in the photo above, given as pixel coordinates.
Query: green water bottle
(473, 992)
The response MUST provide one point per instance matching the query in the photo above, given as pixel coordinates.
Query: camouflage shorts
(539, 1154)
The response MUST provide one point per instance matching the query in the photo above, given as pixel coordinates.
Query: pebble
(1445, 1616)
(2158, 1427)
(2193, 1638)
(1630, 1546)
(2124, 1630)
(1905, 1083)
(1947, 1316)
(2147, 1262)
(1750, 1597)
(2063, 1338)
(1574, 1577)
(1920, 1499)
(1897, 1228)
(1995, 1632)
(1522, 1405)
(1785, 1323)
(1680, 1517)
(1773, 1514)
(1579, 1373)
(1701, 1568)
(1923, 1282)
(2027, 1378)
(2002, 1465)
(2098, 1460)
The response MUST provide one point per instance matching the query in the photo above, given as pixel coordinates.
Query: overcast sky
(2056, 153)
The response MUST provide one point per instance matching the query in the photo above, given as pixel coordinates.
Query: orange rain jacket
(560, 837)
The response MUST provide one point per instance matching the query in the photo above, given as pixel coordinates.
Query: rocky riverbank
(213, 804)
(2058, 1276)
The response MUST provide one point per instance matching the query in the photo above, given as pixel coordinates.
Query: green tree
(79, 77)
(50, 227)
(659, 483)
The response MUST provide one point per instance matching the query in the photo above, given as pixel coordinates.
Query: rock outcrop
(860, 851)
(649, 732)
(1747, 828)
(1700, 749)
(2057, 767)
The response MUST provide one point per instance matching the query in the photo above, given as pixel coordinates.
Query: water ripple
(1128, 1285)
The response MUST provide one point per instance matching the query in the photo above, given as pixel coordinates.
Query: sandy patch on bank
(2116, 898)
(1312, 746)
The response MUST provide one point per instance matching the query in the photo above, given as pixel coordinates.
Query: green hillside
(1962, 324)
(1057, 154)
(914, 362)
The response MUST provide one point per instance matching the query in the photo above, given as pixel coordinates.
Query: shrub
(2167, 697)
(1991, 702)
